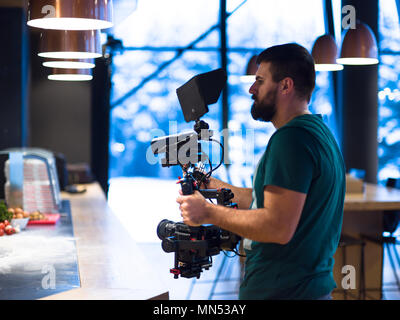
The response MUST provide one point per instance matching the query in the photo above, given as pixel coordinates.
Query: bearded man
(292, 216)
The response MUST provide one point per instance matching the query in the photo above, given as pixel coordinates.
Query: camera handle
(222, 195)
(200, 125)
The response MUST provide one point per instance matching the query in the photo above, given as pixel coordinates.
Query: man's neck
(283, 117)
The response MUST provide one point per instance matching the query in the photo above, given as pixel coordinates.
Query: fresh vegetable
(9, 230)
(19, 213)
(4, 213)
(37, 215)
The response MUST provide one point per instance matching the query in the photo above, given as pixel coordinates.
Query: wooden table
(111, 266)
(363, 215)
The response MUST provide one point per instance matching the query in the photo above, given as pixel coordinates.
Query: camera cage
(194, 246)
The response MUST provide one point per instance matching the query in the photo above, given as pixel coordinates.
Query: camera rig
(195, 246)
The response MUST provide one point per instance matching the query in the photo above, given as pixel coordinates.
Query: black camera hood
(200, 91)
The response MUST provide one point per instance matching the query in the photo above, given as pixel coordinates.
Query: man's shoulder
(292, 135)
(306, 128)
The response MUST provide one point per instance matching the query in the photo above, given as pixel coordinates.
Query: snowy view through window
(153, 110)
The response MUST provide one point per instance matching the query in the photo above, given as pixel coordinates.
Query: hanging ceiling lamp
(70, 15)
(67, 44)
(324, 53)
(359, 46)
(251, 70)
(71, 75)
(69, 64)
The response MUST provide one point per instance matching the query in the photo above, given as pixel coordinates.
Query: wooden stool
(346, 241)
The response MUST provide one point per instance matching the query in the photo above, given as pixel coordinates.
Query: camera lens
(168, 245)
(163, 230)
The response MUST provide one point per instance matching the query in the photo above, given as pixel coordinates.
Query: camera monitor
(200, 91)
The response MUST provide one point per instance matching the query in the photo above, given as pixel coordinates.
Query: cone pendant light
(359, 46)
(324, 53)
(251, 70)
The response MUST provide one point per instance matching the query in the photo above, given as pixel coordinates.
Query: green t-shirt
(301, 156)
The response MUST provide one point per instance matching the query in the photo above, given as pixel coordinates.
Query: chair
(389, 242)
(347, 241)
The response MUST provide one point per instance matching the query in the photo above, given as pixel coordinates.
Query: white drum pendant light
(69, 64)
(68, 44)
(70, 14)
(71, 75)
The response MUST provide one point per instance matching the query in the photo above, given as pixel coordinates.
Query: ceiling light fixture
(70, 15)
(69, 64)
(324, 53)
(359, 46)
(67, 44)
(251, 69)
(71, 75)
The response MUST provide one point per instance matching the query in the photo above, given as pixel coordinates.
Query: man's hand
(195, 210)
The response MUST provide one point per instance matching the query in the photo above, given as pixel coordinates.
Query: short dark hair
(293, 61)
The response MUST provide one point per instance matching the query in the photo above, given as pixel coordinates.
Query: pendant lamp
(69, 64)
(70, 44)
(251, 70)
(359, 46)
(71, 75)
(70, 14)
(324, 53)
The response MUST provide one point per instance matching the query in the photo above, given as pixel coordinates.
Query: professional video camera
(195, 246)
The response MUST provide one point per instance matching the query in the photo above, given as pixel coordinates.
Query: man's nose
(252, 89)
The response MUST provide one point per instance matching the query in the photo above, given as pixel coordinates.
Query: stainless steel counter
(40, 260)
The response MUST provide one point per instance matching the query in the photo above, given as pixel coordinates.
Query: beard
(266, 109)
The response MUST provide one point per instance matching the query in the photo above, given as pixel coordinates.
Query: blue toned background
(154, 24)
(159, 27)
(389, 95)
(142, 194)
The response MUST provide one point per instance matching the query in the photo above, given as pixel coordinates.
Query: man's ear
(287, 85)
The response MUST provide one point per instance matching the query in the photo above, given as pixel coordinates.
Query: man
(293, 226)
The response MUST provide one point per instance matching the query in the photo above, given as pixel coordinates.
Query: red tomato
(2, 225)
(10, 231)
(1, 232)
(6, 223)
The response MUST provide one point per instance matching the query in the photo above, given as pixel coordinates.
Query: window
(154, 32)
(389, 94)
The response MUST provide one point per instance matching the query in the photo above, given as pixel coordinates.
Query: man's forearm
(258, 224)
(242, 195)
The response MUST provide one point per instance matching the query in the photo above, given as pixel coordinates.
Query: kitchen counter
(40, 260)
(88, 253)
(111, 266)
(363, 217)
(374, 197)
